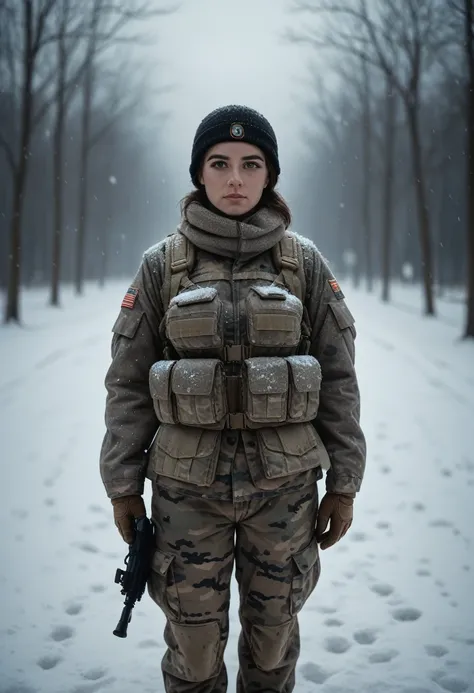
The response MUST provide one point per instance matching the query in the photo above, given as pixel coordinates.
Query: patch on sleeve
(130, 297)
(336, 288)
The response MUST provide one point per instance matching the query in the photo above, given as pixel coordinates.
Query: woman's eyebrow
(218, 156)
(244, 158)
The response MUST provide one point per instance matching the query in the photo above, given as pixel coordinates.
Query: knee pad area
(197, 650)
(269, 644)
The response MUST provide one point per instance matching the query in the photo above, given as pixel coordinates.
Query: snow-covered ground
(394, 608)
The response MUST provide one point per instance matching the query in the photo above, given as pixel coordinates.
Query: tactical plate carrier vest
(207, 382)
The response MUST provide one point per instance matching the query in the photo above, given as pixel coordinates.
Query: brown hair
(270, 198)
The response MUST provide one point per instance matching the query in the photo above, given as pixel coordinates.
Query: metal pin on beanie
(230, 123)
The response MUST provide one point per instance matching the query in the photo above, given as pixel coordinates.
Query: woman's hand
(337, 508)
(126, 509)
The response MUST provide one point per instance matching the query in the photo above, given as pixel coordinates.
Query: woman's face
(234, 175)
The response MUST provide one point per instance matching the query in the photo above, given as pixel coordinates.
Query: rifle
(134, 579)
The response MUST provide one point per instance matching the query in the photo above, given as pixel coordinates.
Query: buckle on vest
(234, 352)
(289, 263)
(179, 265)
(236, 421)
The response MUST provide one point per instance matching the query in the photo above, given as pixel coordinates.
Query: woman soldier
(233, 355)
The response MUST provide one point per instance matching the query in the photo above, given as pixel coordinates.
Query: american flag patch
(336, 288)
(130, 297)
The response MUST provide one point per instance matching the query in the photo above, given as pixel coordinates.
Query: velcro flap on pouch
(203, 294)
(271, 292)
(186, 442)
(305, 373)
(194, 376)
(307, 558)
(127, 322)
(276, 322)
(159, 379)
(341, 312)
(290, 449)
(267, 375)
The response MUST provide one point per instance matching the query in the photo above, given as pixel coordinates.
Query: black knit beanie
(231, 123)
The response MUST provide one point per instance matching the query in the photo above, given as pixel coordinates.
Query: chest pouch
(273, 317)
(191, 392)
(279, 390)
(194, 320)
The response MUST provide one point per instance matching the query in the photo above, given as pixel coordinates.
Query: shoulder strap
(179, 261)
(288, 256)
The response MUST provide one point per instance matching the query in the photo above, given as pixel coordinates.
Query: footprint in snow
(383, 656)
(366, 636)
(336, 644)
(97, 509)
(448, 682)
(93, 686)
(382, 589)
(333, 622)
(358, 536)
(48, 661)
(423, 572)
(98, 588)
(49, 502)
(436, 650)
(314, 673)
(149, 644)
(61, 633)
(94, 674)
(383, 525)
(385, 469)
(406, 613)
(446, 472)
(419, 507)
(20, 513)
(326, 609)
(74, 608)
(18, 688)
(440, 522)
(87, 547)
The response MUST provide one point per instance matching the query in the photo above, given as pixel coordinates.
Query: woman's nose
(234, 178)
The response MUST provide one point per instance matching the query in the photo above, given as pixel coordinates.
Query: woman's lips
(234, 197)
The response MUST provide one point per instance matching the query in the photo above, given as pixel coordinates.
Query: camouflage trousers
(271, 541)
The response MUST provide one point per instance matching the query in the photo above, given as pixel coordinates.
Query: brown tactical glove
(336, 507)
(126, 509)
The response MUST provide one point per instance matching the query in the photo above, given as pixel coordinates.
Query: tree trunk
(84, 165)
(423, 216)
(12, 308)
(390, 119)
(58, 171)
(366, 152)
(103, 256)
(469, 17)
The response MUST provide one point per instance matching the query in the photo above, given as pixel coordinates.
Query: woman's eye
(217, 164)
(251, 164)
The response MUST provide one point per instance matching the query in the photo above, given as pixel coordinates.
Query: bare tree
(469, 42)
(390, 134)
(403, 41)
(34, 39)
(106, 24)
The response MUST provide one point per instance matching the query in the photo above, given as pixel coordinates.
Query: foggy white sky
(219, 52)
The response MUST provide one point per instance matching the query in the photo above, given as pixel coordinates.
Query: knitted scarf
(221, 235)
